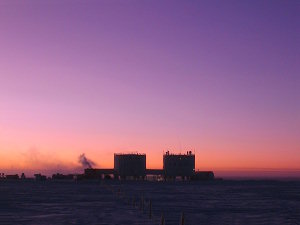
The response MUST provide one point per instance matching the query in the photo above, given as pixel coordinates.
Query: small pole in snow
(143, 203)
(150, 208)
(162, 219)
(182, 219)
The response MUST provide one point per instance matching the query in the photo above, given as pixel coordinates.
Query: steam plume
(85, 162)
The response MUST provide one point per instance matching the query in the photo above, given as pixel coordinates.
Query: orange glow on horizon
(34, 161)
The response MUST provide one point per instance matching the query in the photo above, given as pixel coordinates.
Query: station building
(130, 165)
(178, 165)
(133, 167)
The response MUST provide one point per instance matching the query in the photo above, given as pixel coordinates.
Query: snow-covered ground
(114, 202)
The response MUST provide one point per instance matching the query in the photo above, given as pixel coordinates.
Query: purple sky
(220, 77)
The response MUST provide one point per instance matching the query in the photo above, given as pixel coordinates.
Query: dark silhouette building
(130, 165)
(203, 175)
(92, 173)
(12, 177)
(178, 165)
(133, 166)
(40, 177)
(59, 176)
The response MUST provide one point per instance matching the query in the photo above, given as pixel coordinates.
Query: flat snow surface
(114, 202)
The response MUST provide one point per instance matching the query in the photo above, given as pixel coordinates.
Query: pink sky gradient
(219, 78)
